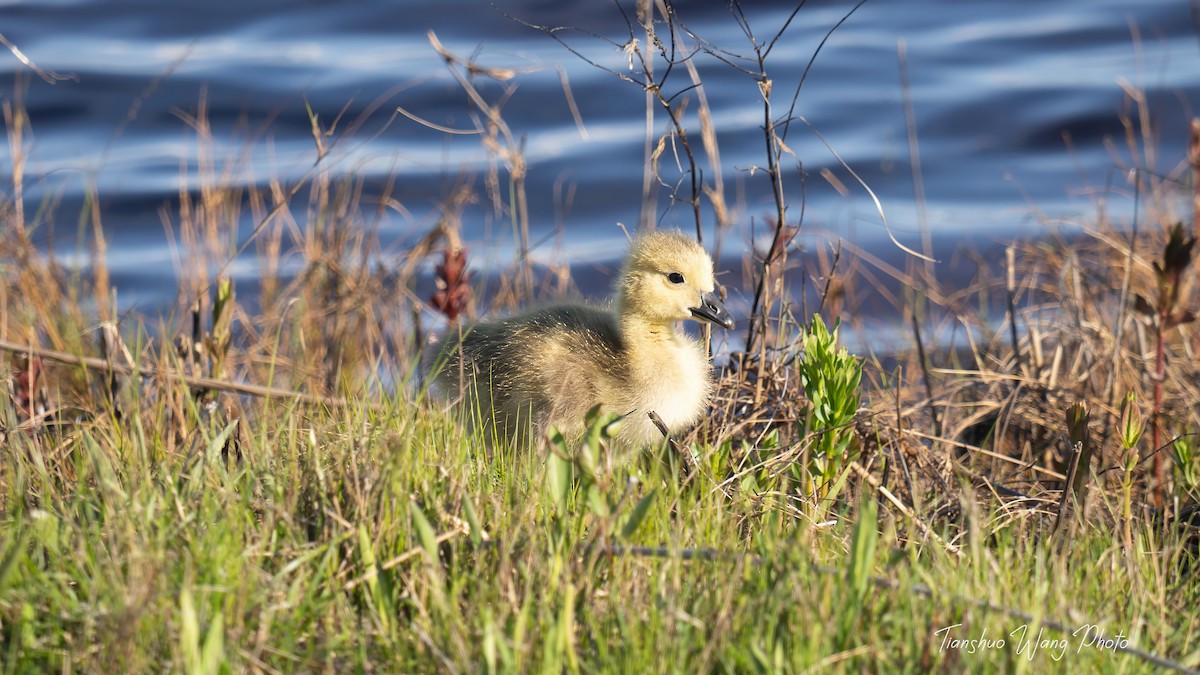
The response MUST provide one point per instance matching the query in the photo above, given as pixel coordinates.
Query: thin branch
(863, 183)
(97, 364)
(783, 29)
(49, 76)
(438, 127)
(554, 31)
(808, 67)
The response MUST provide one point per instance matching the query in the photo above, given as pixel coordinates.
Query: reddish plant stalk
(1160, 373)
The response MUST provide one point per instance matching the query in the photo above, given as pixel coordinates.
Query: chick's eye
(675, 278)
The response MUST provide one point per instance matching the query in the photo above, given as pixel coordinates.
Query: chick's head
(669, 277)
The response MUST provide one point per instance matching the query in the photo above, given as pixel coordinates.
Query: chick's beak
(711, 309)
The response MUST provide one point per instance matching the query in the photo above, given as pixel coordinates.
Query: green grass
(119, 553)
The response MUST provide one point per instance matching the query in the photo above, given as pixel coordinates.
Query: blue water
(996, 87)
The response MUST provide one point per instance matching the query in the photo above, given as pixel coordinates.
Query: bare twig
(48, 75)
(104, 366)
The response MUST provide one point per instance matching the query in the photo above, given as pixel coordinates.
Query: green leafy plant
(1132, 425)
(1187, 465)
(830, 376)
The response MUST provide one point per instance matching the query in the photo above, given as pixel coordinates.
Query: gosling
(550, 366)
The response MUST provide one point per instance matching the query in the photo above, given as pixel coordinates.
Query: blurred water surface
(1017, 104)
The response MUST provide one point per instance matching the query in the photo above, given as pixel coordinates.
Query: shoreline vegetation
(274, 491)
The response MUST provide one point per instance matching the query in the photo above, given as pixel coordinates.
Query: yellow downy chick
(551, 365)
